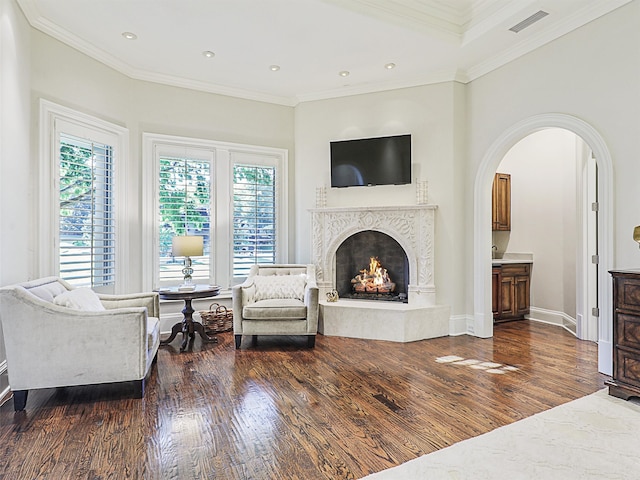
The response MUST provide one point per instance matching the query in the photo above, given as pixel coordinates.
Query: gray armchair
(276, 300)
(58, 336)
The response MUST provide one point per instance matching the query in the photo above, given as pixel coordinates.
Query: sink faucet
(494, 250)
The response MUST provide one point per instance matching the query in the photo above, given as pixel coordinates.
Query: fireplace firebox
(364, 256)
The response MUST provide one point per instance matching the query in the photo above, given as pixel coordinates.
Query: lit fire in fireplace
(373, 280)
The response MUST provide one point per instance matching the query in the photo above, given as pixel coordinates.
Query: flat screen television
(371, 161)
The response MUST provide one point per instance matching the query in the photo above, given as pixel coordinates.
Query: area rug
(594, 437)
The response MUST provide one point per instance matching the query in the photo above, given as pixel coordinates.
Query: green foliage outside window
(185, 199)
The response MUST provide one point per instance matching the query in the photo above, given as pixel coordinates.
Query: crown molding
(580, 18)
(402, 13)
(44, 25)
(430, 79)
(212, 88)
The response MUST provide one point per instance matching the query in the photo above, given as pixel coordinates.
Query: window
(81, 199)
(254, 217)
(185, 209)
(86, 223)
(233, 195)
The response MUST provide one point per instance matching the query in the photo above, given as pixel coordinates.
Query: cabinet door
(507, 303)
(521, 295)
(495, 292)
(501, 202)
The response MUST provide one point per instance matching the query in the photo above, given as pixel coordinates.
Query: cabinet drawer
(627, 293)
(515, 269)
(627, 330)
(627, 366)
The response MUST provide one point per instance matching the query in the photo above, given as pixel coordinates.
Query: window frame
(55, 119)
(224, 155)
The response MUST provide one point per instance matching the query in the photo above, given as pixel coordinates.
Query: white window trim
(222, 197)
(52, 118)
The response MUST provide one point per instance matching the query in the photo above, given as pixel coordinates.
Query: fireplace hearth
(406, 230)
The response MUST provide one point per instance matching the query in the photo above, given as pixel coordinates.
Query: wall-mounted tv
(371, 161)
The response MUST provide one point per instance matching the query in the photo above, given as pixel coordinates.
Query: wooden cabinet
(511, 291)
(626, 334)
(501, 202)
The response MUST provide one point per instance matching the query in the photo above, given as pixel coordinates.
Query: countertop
(510, 258)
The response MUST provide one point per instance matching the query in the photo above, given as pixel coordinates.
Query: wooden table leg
(175, 330)
(188, 327)
(198, 327)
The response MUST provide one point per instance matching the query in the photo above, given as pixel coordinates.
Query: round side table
(188, 326)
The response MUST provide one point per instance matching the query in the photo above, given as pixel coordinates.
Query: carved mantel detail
(411, 226)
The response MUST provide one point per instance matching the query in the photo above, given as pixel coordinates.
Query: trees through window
(185, 209)
(86, 221)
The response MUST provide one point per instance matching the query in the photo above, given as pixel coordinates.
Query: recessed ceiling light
(129, 35)
(344, 73)
(208, 54)
(390, 66)
(274, 68)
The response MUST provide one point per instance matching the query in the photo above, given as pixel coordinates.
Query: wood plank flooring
(278, 410)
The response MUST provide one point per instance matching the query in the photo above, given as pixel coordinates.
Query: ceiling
(311, 41)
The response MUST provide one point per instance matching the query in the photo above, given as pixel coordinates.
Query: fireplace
(408, 231)
(372, 265)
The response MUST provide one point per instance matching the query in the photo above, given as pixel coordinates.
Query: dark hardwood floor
(278, 410)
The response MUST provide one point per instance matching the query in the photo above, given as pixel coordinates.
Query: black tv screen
(371, 161)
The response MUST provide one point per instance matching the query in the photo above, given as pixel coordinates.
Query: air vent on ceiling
(527, 22)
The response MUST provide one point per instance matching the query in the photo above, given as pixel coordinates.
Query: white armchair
(93, 339)
(276, 300)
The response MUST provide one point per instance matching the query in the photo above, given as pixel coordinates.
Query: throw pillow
(279, 286)
(80, 299)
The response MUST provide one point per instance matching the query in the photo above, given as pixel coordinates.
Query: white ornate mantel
(411, 226)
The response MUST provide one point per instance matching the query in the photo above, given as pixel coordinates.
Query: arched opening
(483, 319)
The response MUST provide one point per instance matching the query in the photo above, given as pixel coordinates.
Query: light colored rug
(594, 437)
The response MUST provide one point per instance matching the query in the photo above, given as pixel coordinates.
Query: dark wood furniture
(511, 291)
(626, 334)
(501, 202)
(188, 326)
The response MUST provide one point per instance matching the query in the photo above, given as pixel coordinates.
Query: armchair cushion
(48, 291)
(80, 299)
(275, 308)
(279, 286)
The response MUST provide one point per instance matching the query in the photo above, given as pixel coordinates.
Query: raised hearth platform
(376, 320)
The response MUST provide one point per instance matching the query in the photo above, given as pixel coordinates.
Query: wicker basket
(217, 319)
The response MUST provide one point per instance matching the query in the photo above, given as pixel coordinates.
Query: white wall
(543, 168)
(593, 75)
(16, 220)
(429, 114)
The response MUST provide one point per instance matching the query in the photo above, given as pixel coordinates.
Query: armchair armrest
(150, 300)
(311, 301)
(239, 299)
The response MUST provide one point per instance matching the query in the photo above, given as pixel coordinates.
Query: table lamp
(187, 246)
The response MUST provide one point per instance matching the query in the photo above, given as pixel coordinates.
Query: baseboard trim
(553, 317)
(459, 325)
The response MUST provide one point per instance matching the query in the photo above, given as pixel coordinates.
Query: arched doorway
(483, 319)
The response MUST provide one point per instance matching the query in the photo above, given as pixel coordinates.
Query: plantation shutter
(86, 216)
(185, 209)
(254, 217)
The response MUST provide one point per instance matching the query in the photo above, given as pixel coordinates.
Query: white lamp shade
(187, 246)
